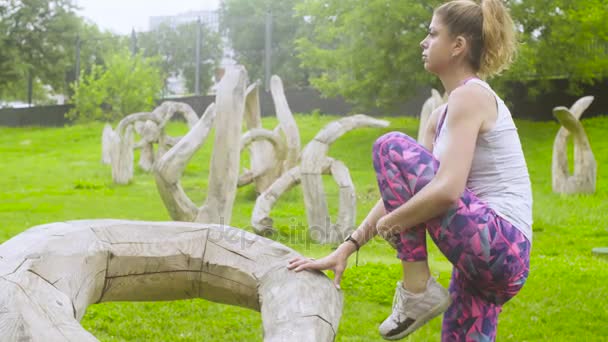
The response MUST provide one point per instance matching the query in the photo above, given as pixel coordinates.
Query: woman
(467, 185)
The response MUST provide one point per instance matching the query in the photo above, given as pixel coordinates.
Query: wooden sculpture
(117, 146)
(428, 107)
(585, 167)
(272, 152)
(51, 273)
(314, 163)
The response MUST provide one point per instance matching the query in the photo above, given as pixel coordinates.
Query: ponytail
(498, 35)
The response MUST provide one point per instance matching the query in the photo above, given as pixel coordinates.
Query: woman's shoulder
(471, 98)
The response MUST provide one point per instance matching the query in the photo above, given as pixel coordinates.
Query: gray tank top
(499, 174)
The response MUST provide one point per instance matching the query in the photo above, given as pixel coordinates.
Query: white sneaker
(411, 311)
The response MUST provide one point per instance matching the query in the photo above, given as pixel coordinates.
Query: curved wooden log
(150, 133)
(277, 151)
(225, 159)
(260, 217)
(583, 180)
(106, 157)
(428, 107)
(313, 158)
(170, 167)
(262, 223)
(265, 167)
(150, 125)
(50, 274)
(287, 123)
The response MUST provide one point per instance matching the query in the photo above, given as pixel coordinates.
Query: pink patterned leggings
(490, 256)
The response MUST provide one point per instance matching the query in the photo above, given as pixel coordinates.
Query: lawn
(55, 174)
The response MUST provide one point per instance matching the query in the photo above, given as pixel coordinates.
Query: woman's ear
(459, 46)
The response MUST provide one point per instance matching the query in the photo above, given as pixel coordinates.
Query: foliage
(176, 47)
(245, 24)
(127, 84)
(36, 34)
(564, 39)
(368, 51)
(39, 38)
(563, 300)
(97, 46)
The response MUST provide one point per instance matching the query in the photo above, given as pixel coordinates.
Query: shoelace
(398, 302)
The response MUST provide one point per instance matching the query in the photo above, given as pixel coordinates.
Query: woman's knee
(398, 139)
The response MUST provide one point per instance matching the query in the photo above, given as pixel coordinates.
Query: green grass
(55, 174)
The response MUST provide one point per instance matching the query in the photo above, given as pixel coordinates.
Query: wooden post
(224, 168)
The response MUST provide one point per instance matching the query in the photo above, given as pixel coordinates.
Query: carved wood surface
(50, 274)
(583, 180)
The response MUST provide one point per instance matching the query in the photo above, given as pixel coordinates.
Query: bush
(128, 84)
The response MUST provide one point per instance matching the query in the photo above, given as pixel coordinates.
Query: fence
(307, 100)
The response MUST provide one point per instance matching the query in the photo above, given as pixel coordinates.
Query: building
(208, 18)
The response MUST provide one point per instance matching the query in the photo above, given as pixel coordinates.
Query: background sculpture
(224, 166)
(428, 107)
(271, 152)
(314, 162)
(117, 146)
(50, 274)
(585, 167)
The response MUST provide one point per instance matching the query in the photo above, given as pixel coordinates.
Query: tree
(94, 47)
(36, 34)
(245, 23)
(127, 84)
(561, 39)
(176, 48)
(368, 51)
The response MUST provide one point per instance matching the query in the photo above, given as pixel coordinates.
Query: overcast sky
(120, 16)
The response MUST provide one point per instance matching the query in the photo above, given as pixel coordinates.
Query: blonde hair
(489, 30)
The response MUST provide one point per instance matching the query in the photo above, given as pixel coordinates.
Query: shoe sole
(440, 308)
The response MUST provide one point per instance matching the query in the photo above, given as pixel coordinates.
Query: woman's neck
(455, 79)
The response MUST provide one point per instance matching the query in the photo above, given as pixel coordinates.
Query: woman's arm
(430, 131)
(469, 106)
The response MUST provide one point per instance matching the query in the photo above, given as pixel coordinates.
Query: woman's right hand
(336, 262)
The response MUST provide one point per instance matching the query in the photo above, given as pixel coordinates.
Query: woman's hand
(386, 228)
(336, 262)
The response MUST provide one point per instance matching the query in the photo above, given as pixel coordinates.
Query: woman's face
(437, 47)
